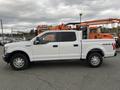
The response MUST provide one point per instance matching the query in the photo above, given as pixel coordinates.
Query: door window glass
(67, 36)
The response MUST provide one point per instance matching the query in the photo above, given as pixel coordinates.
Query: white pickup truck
(58, 45)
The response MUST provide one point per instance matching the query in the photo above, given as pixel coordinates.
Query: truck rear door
(69, 45)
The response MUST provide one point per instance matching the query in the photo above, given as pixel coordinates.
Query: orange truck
(91, 29)
(95, 33)
(88, 32)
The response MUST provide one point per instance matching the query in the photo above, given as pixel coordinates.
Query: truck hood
(22, 43)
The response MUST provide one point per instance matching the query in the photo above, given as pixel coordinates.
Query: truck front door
(46, 47)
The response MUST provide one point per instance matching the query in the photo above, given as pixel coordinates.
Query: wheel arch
(19, 51)
(96, 50)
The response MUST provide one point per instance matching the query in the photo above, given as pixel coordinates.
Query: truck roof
(61, 31)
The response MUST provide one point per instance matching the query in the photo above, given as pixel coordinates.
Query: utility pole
(12, 32)
(2, 30)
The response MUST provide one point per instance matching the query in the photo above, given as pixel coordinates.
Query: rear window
(67, 36)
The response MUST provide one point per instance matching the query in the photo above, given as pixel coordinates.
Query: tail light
(114, 46)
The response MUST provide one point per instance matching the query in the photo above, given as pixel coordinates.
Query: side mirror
(37, 41)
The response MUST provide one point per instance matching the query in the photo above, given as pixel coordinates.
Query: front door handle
(55, 46)
(75, 45)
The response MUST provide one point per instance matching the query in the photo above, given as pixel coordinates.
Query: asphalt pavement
(72, 75)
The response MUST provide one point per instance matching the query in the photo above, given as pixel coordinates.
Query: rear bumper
(6, 58)
(112, 55)
(115, 54)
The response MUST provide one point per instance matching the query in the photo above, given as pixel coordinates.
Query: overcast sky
(29, 13)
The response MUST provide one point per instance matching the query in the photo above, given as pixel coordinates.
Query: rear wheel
(19, 61)
(95, 59)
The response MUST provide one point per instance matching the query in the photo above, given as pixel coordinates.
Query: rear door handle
(55, 46)
(75, 45)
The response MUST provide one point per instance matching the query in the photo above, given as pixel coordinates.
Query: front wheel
(19, 61)
(95, 60)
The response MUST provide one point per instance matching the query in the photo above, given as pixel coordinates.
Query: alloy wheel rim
(18, 62)
(95, 60)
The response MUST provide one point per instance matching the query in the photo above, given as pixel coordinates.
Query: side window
(49, 37)
(84, 32)
(67, 36)
(46, 38)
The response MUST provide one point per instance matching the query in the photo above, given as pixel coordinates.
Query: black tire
(19, 61)
(95, 60)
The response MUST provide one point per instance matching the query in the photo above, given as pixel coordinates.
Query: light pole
(2, 30)
(80, 19)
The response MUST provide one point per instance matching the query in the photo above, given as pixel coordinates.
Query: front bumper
(6, 58)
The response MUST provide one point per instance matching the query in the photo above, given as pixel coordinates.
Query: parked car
(58, 45)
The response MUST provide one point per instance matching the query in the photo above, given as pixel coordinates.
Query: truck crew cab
(58, 45)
